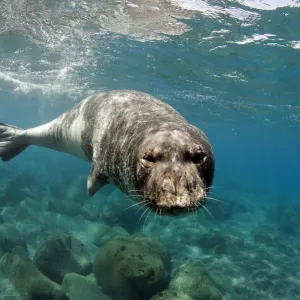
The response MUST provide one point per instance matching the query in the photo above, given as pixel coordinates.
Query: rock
(57, 187)
(97, 230)
(20, 187)
(193, 279)
(132, 268)
(264, 235)
(190, 235)
(122, 213)
(110, 234)
(10, 237)
(90, 215)
(64, 207)
(288, 218)
(7, 290)
(225, 211)
(232, 245)
(71, 189)
(79, 287)
(76, 190)
(168, 295)
(210, 240)
(100, 233)
(29, 210)
(27, 279)
(62, 254)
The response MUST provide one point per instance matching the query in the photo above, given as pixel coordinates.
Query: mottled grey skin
(134, 141)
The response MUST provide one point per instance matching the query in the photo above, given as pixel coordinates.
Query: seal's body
(132, 140)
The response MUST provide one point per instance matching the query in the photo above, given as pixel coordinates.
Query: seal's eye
(198, 158)
(148, 160)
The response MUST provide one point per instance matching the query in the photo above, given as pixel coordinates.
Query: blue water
(234, 72)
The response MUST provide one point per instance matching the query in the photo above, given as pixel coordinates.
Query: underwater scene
(230, 68)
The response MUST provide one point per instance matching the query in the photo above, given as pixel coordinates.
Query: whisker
(215, 200)
(208, 211)
(135, 204)
(202, 213)
(130, 194)
(135, 191)
(155, 215)
(146, 219)
(141, 207)
(195, 218)
(143, 215)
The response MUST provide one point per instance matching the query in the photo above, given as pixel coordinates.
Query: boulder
(90, 215)
(29, 210)
(20, 187)
(168, 295)
(132, 267)
(232, 245)
(110, 234)
(288, 218)
(10, 237)
(226, 210)
(61, 254)
(79, 287)
(27, 279)
(210, 240)
(121, 211)
(265, 235)
(192, 279)
(64, 207)
(72, 189)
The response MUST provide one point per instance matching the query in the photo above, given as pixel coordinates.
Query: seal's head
(174, 170)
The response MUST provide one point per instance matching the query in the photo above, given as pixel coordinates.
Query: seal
(132, 140)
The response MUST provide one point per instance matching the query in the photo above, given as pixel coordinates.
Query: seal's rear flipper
(11, 141)
(95, 181)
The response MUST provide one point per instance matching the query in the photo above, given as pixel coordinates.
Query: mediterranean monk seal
(132, 140)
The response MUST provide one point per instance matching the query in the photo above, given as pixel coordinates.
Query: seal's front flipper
(95, 181)
(12, 142)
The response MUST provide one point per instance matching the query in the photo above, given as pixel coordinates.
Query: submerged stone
(123, 213)
(64, 207)
(132, 268)
(90, 215)
(231, 245)
(288, 218)
(27, 279)
(79, 287)
(76, 191)
(61, 254)
(264, 235)
(110, 234)
(71, 189)
(226, 210)
(10, 237)
(29, 210)
(193, 279)
(210, 240)
(20, 187)
(168, 295)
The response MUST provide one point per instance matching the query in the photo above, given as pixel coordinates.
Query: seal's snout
(172, 181)
(179, 189)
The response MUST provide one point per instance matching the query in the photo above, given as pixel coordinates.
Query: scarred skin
(136, 142)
